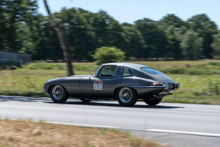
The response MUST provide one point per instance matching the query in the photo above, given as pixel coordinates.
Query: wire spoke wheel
(125, 95)
(57, 92)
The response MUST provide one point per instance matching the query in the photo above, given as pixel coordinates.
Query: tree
(108, 54)
(154, 36)
(172, 20)
(13, 15)
(79, 32)
(205, 29)
(62, 40)
(134, 45)
(173, 27)
(216, 45)
(191, 45)
(173, 39)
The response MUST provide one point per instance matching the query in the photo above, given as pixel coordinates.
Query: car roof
(132, 65)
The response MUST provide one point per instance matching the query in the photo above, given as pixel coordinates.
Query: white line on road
(148, 130)
(184, 132)
(85, 125)
(73, 124)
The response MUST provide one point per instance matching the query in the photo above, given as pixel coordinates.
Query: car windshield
(150, 70)
(96, 73)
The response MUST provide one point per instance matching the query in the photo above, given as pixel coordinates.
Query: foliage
(108, 54)
(191, 45)
(206, 29)
(25, 30)
(51, 66)
(16, 22)
(216, 45)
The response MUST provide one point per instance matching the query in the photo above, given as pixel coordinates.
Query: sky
(132, 10)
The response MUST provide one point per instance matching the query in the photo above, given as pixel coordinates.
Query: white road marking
(72, 124)
(184, 132)
(148, 130)
(85, 125)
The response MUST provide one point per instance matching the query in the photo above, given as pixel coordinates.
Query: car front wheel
(126, 96)
(58, 94)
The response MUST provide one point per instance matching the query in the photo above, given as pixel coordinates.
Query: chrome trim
(164, 85)
(177, 85)
(46, 92)
(115, 71)
(57, 92)
(148, 86)
(125, 97)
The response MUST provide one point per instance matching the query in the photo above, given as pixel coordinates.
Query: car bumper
(168, 91)
(46, 92)
(156, 90)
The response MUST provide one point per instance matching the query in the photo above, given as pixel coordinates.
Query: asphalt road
(180, 125)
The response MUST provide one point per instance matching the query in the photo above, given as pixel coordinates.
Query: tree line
(24, 29)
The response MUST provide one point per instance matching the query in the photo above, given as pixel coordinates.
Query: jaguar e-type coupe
(124, 82)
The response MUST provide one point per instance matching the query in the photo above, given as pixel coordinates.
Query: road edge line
(84, 125)
(184, 132)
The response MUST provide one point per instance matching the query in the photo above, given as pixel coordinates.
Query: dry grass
(25, 133)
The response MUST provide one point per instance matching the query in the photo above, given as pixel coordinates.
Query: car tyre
(126, 96)
(152, 101)
(58, 94)
(85, 100)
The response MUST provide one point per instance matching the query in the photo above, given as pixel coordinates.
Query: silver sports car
(124, 82)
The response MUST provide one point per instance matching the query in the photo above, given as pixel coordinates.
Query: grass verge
(200, 89)
(15, 133)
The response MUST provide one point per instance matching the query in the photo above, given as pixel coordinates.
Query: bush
(46, 66)
(189, 71)
(214, 63)
(108, 54)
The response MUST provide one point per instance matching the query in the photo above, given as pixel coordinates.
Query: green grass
(168, 67)
(207, 67)
(198, 88)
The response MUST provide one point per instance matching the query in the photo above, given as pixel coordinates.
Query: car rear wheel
(85, 100)
(152, 100)
(126, 96)
(58, 94)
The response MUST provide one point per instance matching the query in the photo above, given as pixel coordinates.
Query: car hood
(66, 78)
(80, 76)
(162, 78)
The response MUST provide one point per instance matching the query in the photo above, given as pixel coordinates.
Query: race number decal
(98, 85)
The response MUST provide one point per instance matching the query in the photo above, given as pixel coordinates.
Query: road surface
(173, 124)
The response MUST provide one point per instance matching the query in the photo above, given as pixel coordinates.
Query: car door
(123, 77)
(98, 85)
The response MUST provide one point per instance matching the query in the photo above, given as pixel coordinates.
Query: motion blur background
(144, 30)
(184, 36)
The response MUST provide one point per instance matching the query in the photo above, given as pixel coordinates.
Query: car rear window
(149, 70)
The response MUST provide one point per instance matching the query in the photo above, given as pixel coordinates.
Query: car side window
(107, 70)
(123, 71)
